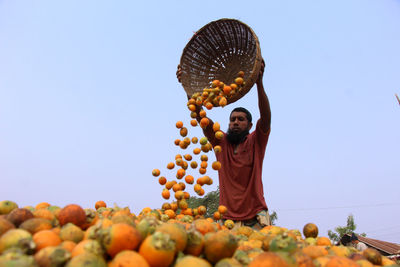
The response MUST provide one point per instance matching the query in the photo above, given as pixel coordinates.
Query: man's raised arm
(263, 102)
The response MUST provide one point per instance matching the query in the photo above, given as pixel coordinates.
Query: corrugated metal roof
(389, 248)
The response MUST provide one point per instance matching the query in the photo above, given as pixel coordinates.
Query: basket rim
(250, 81)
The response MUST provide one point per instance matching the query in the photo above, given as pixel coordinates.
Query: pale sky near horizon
(89, 101)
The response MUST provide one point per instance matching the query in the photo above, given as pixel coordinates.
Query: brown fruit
(52, 256)
(310, 230)
(72, 213)
(87, 260)
(5, 225)
(35, 225)
(18, 216)
(373, 256)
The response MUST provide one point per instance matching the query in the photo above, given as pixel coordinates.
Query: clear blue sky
(89, 101)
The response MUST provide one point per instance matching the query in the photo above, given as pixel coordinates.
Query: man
(242, 155)
(357, 244)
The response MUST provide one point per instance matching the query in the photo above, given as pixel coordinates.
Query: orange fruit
(179, 195)
(186, 195)
(193, 164)
(219, 135)
(44, 213)
(227, 89)
(240, 74)
(196, 151)
(182, 204)
(193, 123)
(162, 180)
(156, 172)
(128, 258)
(68, 245)
(177, 233)
(204, 122)
(100, 204)
(203, 164)
(215, 83)
(216, 126)
(170, 165)
(202, 170)
(239, 81)
(165, 193)
(323, 241)
(208, 106)
(193, 115)
(88, 245)
(204, 157)
(189, 179)
(46, 238)
(216, 165)
(177, 142)
(337, 261)
(202, 113)
(217, 215)
(183, 132)
(195, 243)
(195, 140)
(179, 124)
(219, 245)
(192, 107)
(222, 209)
(197, 188)
(158, 249)
(188, 157)
(189, 260)
(176, 187)
(202, 210)
(268, 259)
(223, 102)
(201, 192)
(171, 213)
(42, 205)
(217, 149)
(180, 173)
(119, 237)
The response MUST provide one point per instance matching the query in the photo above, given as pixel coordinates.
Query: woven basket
(218, 51)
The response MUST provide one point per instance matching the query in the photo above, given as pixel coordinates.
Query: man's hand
(179, 73)
(261, 73)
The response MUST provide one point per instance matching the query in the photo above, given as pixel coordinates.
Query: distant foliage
(340, 231)
(210, 201)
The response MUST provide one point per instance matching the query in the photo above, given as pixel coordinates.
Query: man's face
(238, 122)
(239, 127)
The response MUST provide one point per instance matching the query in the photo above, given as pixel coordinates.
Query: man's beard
(236, 137)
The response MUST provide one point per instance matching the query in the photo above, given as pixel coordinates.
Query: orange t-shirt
(240, 177)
